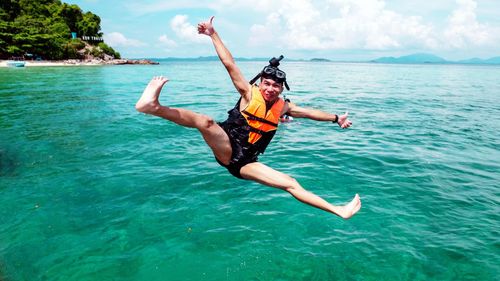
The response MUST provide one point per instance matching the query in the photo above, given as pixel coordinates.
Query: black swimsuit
(237, 129)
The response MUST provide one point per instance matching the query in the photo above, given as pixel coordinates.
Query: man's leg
(265, 175)
(213, 134)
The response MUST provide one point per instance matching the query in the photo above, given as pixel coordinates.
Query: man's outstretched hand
(343, 122)
(206, 27)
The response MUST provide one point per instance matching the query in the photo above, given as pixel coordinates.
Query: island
(424, 58)
(52, 33)
(319, 60)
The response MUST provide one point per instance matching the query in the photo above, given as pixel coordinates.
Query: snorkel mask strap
(255, 78)
(274, 62)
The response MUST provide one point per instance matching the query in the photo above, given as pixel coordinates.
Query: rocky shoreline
(129, 61)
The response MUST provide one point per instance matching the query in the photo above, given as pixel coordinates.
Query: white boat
(16, 63)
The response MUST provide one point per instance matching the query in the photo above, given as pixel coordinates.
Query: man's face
(270, 89)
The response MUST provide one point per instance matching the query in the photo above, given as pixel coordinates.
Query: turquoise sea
(90, 189)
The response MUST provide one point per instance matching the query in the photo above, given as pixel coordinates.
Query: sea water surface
(90, 189)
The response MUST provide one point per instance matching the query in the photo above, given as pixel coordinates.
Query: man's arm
(318, 115)
(240, 83)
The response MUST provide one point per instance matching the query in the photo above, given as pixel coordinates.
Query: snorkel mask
(272, 72)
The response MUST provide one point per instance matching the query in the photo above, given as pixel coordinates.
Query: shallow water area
(90, 189)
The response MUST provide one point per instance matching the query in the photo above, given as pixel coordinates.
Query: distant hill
(216, 58)
(320, 60)
(430, 58)
(208, 58)
(494, 60)
(414, 58)
(409, 59)
(472, 61)
(211, 58)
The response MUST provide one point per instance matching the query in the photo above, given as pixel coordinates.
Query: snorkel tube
(275, 62)
(273, 72)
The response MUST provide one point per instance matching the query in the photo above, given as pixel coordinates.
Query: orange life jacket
(258, 118)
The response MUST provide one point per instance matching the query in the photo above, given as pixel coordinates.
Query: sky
(301, 29)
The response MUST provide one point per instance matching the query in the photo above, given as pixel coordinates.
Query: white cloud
(368, 24)
(464, 29)
(186, 31)
(167, 42)
(219, 6)
(116, 39)
(265, 34)
(338, 24)
(141, 8)
(342, 24)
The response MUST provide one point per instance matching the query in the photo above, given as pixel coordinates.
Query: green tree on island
(42, 28)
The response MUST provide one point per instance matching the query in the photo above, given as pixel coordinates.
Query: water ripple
(93, 190)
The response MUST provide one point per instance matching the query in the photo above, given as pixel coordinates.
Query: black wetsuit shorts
(243, 152)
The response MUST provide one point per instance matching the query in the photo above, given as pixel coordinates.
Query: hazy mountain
(430, 58)
(494, 60)
(472, 60)
(320, 60)
(414, 58)
(209, 58)
(409, 59)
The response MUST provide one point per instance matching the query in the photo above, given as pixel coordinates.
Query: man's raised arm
(226, 58)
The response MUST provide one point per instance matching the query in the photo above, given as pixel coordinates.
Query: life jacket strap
(257, 131)
(253, 117)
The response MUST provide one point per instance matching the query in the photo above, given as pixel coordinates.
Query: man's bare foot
(351, 208)
(148, 103)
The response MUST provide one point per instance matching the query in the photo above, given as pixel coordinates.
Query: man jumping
(251, 124)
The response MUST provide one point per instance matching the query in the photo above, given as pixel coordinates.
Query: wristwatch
(336, 119)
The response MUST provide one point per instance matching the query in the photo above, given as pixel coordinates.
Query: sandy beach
(46, 63)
